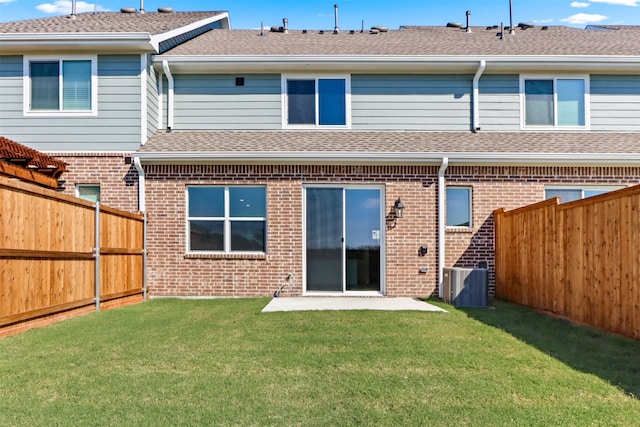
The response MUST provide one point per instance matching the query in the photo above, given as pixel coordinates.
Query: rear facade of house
(356, 163)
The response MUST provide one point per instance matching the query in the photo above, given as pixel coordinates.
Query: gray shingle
(107, 22)
(431, 41)
(393, 142)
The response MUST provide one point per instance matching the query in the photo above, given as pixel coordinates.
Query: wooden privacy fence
(580, 260)
(60, 253)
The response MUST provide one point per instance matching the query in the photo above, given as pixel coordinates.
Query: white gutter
(441, 222)
(475, 106)
(81, 42)
(167, 72)
(407, 63)
(141, 184)
(466, 158)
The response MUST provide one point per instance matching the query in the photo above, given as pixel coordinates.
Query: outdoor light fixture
(398, 208)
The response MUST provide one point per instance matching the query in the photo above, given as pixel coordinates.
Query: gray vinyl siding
(115, 128)
(153, 101)
(411, 102)
(10, 94)
(499, 101)
(615, 103)
(213, 102)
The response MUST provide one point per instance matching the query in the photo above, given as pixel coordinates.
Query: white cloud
(63, 7)
(543, 21)
(579, 4)
(618, 2)
(584, 18)
(6, 1)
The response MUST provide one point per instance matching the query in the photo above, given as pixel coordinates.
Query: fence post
(144, 258)
(97, 256)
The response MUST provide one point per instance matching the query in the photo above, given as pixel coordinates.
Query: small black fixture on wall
(422, 251)
(398, 208)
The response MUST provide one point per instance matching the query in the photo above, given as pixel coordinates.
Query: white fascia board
(293, 63)
(543, 159)
(208, 63)
(22, 42)
(158, 38)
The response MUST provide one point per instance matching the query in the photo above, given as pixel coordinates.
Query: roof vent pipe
(468, 21)
(336, 29)
(141, 6)
(285, 26)
(73, 9)
(511, 29)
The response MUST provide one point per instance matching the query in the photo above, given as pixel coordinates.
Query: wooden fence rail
(52, 260)
(580, 260)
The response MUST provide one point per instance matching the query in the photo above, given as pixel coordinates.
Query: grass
(222, 362)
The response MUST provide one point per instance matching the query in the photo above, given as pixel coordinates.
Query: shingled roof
(108, 22)
(503, 147)
(553, 40)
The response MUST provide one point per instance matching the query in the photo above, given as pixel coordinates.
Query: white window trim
(226, 222)
(26, 78)
(79, 186)
(555, 78)
(315, 76)
(460, 227)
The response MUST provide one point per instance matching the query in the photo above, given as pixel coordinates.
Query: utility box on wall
(465, 287)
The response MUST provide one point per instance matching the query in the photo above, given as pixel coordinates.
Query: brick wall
(118, 181)
(512, 187)
(171, 271)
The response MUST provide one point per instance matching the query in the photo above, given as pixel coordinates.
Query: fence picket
(47, 264)
(580, 260)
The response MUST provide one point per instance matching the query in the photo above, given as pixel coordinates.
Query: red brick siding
(512, 187)
(171, 273)
(118, 180)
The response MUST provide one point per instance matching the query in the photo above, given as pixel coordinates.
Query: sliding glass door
(343, 239)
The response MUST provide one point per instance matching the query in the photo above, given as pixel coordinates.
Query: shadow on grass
(614, 359)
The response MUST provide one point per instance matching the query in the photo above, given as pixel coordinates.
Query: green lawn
(222, 362)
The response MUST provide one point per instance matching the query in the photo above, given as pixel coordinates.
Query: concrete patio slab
(348, 303)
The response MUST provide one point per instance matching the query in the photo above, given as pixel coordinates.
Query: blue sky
(317, 14)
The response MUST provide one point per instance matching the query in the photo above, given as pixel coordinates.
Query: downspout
(441, 222)
(475, 126)
(142, 208)
(141, 184)
(167, 72)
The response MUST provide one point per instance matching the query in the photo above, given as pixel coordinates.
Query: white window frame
(316, 77)
(555, 127)
(458, 227)
(79, 186)
(26, 77)
(227, 218)
(582, 189)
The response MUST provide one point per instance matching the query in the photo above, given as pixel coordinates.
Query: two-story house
(341, 163)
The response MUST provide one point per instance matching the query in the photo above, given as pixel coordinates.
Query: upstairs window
(555, 102)
(316, 102)
(60, 86)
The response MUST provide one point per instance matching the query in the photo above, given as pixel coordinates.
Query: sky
(319, 14)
